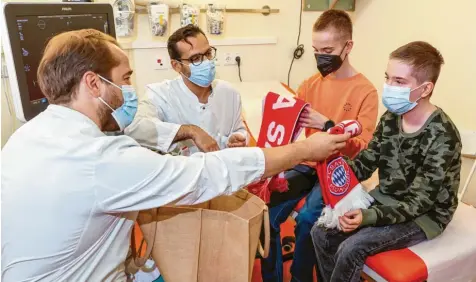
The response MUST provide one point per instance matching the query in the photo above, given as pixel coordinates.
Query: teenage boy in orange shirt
(338, 92)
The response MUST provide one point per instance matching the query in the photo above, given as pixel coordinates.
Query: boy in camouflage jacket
(417, 151)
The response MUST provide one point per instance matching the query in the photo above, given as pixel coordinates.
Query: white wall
(379, 28)
(382, 26)
(259, 62)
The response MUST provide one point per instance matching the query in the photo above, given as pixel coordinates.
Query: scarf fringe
(357, 198)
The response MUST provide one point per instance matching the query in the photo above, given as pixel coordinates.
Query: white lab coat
(170, 104)
(70, 194)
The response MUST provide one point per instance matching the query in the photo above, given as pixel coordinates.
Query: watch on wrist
(328, 124)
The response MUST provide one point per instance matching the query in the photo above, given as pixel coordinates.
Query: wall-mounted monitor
(27, 28)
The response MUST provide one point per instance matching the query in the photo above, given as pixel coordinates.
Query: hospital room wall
(262, 62)
(382, 26)
(379, 28)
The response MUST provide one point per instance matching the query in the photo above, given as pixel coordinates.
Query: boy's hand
(351, 220)
(312, 119)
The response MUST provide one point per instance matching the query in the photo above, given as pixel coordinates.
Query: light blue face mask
(124, 115)
(203, 74)
(397, 99)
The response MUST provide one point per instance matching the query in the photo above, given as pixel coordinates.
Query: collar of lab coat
(190, 95)
(73, 117)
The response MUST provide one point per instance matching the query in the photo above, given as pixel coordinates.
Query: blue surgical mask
(397, 99)
(124, 115)
(203, 74)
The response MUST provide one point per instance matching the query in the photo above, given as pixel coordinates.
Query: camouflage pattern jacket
(419, 173)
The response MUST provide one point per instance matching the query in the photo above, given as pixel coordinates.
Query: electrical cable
(238, 62)
(299, 51)
(239, 73)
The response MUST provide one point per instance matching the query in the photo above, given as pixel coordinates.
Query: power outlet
(161, 63)
(229, 58)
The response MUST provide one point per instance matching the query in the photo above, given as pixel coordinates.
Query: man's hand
(204, 142)
(317, 147)
(312, 119)
(351, 220)
(236, 140)
(321, 145)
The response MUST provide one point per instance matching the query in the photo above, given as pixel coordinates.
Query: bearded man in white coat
(71, 193)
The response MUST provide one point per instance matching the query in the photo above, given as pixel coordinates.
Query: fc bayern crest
(338, 176)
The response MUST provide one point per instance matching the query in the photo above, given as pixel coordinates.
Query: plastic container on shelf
(216, 19)
(189, 14)
(158, 18)
(124, 12)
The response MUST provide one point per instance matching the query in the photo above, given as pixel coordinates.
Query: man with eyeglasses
(202, 112)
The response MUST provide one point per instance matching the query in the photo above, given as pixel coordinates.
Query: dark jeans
(304, 259)
(341, 256)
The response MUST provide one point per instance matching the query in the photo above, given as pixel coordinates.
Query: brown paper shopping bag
(211, 242)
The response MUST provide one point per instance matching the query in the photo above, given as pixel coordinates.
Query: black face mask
(327, 63)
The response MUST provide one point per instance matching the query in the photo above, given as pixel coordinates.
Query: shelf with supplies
(159, 17)
(265, 10)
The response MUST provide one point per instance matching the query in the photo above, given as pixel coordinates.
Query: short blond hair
(425, 60)
(337, 20)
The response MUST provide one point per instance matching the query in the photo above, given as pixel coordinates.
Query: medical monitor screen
(34, 32)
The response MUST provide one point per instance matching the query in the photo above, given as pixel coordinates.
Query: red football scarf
(341, 190)
(279, 126)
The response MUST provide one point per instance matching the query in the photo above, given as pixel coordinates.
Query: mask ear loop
(112, 83)
(416, 89)
(182, 72)
(182, 65)
(104, 102)
(342, 51)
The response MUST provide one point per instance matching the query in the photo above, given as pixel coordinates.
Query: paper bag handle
(264, 252)
(140, 261)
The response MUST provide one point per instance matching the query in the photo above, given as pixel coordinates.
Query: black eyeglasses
(197, 59)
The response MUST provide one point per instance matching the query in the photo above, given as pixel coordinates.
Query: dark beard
(108, 123)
